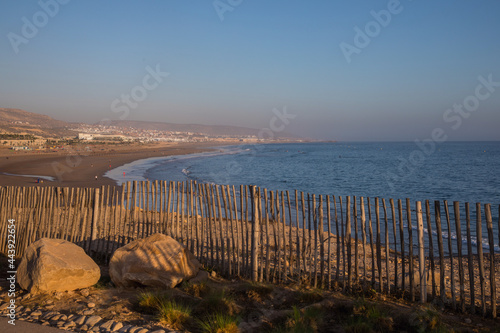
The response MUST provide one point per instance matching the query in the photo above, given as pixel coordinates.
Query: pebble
(158, 331)
(88, 312)
(143, 330)
(36, 313)
(50, 315)
(49, 307)
(80, 320)
(85, 292)
(91, 321)
(48, 302)
(116, 327)
(125, 328)
(55, 318)
(107, 325)
(69, 324)
(468, 321)
(84, 328)
(91, 305)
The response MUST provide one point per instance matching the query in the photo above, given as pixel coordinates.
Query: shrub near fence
(280, 237)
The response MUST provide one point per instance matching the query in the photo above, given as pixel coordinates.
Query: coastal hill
(24, 122)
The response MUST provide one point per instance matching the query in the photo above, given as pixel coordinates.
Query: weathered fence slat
(489, 227)
(450, 253)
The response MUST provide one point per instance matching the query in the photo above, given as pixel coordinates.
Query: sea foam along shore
(137, 170)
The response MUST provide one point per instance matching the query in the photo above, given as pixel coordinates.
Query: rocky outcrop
(155, 261)
(56, 265)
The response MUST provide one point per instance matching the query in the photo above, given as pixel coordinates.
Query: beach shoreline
(71, 168)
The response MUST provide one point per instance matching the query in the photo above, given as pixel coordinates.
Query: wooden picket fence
(415, 251)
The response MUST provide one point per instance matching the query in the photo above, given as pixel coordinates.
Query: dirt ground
(259, 307)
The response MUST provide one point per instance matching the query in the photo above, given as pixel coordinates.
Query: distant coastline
(80, 169)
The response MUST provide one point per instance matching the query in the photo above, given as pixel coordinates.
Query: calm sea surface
(453, 171)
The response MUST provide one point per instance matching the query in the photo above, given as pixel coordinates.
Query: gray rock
(116, 327)
(80, 320)
(49, 315)
(91, 321)
(468, 321)
(55, 317)
(125, 329)
(85, 292)
(50, 265)
(36, 313)
(107, 325)
(69, 324)
(132, 265)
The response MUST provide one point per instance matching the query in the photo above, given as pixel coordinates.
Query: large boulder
(56, 265)
(155, 261)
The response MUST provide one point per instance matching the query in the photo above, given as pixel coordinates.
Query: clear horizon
(364, 71)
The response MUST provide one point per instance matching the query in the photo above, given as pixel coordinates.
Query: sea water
(452, 171)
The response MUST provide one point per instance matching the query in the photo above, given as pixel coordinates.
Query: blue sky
(263, 55)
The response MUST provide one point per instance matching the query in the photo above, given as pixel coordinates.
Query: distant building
(103, 137)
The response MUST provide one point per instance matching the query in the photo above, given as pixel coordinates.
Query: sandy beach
(72, 168)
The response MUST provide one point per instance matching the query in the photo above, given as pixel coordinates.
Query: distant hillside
(196, 128)
(20, 121)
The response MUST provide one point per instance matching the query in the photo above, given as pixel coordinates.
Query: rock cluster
(71, 322)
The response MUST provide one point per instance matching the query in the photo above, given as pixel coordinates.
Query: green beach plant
(219, 323)
(305, 321)
(173, 314)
